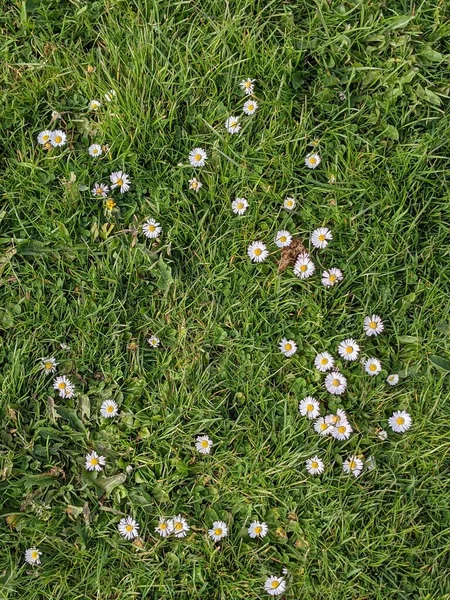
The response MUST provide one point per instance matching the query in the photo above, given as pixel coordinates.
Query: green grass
(67, 277)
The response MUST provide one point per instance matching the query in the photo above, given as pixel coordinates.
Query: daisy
(320, 237)
(400, 421)
(304, 267)
(309, 407)
(288, 347)
(247, 86)
(373, 325)
(250, 107)
(324, 362)
(95, 150)
(339, 417)
(94, 104)
(257, 251)
(32, 556)
(314, 465)
(58, 138)
(195, 184)
(289, 203)
(198, 157)
(232, 125)
(64, 386)
(180, 527)
(239, 206)
(335, 383)
(153, 341)
(322, 427)
(283, 238)
(353, 465)
(275, 586)
(312, 161)
(120, 180)
(44, 137)
(100, 190)
(372, 366)
(204, 444)
(393, 379)
(257, 529)
(48, 365)
(165, 527)
(128, 528)
(109, 96)
(151, 229)
(382, 435)
(109, 409)
(218, 531)
(342, 431)
(94, 462)
(348, 349)
(332, 276)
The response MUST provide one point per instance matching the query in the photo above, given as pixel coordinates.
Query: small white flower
(324, 362)
(309, 407)
(257, 251)
(314, 465)
(247, 86)
(320, 237)
(195, 184)
(153, 341)
(250, 107)
(335, 383)
(289, 203)
(204, 444)
(338, 418)
(165, 527)
(348, 349)
(109, 96)
(304, 267)
(371, 463)
(373, 325)
(151, 229)
(64, 346)
(382, 435)
(288, 347)
(58, 138)
(94, 104)
(332, 277)
(322, 427)
(218, 531)
(100, 190)
(232, 125)
(257, 529)
(313, 160)
(372, 366)
(393, 379)
(44, 137)
(120, 180)
(32, 556)
(283, 238)
(275, 586)
(353, 465)
(239, 206)
(64, 386)
(400, 421)
(342, 431)
(95, 150)
(128, 528)
(94, 462)
(198, 157)
(109, 409)
(180, 527)
(48, 365)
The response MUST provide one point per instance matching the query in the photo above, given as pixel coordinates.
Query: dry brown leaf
(289, 254)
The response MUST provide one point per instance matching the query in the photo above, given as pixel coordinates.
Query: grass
(70, 274)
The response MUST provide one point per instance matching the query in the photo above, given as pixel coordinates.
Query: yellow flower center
(321, 237)
(205, 443)
(324, 361)
(151, 227)
(314, 464)
(352, 465)
(274, 584)
(178, 526)
(333, 278)
(250, 107)
(323, 426)
(218, 531)
(48, 365)
(163, 525)
(310, 407)
(194, 185)
(248, 84)
(99, 191)
(313, 160)
(303, 268)
(45, 138)
(372, 325)
(58, 139)
(34, 554)
(258, 530)
(283, 239)
(349, 349)
(336, 382)
(47, 146)
(373, 367)
(198, 157)
(288, 347)
(119, 182)
(62, 385)
(110, 409)
(342, 429)
(128, 528)
(400, 421)
(240, 205)
(94, 150)
(258, 251)
(94, 461)
(334, 418)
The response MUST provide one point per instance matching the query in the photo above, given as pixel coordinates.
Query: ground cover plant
(204, 207)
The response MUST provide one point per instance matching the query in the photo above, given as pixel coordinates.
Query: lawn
(365, 86)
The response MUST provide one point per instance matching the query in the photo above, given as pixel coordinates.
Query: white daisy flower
(339, 417)
(348, 349)
(373, 325)
(372, 366)
(94, 104)
(239, 206)
(257, 529)
(309, 407)
(64, 386)
(382, 435)
(44, 137)
(332, 277)
(289, 203)
(32, 556)
(64, 346)
(400, 421)
(95, 150)
(353, 465)
(287, 347)
(393, 379)
(58, 138)
(322, 427)
(314, 465)
(94, 462)
(121, 180)
(100, 190)
(335, 383)
(198, 157)
(218, 531)
(109, 96)
(151, 229)
(313, 160)
(283, 238)
(275, 586)
(250, 107)
(180, 527)
(257, 251)
(48, 365)
(153, 341)
(304, 267)
(232, 125)
(109, 409)
(324, 362)
(128, 528)
(204, 444)
(247, 86)
(320, 237)
(165, 527)
(342, 431)
(195, 184)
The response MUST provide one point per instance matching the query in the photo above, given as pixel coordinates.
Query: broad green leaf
(165, 278)
(400, 21)
(440, 362)
(70, 415)
(409, 339)
(108, 484)
(444, 328)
